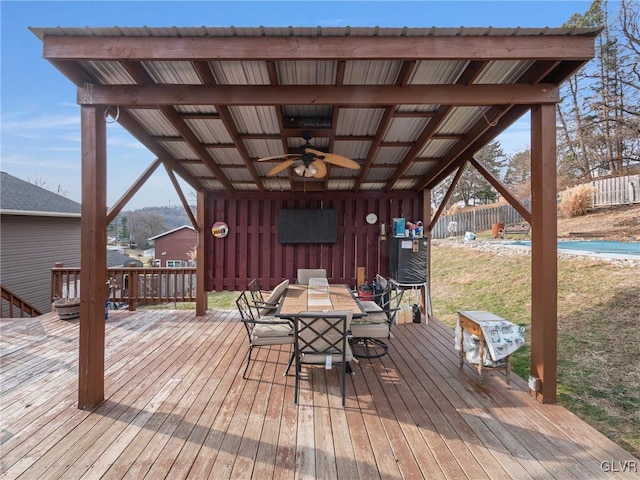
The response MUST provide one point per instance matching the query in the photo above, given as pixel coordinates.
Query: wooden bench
(517, 229)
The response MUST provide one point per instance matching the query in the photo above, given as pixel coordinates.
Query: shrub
(576, 201)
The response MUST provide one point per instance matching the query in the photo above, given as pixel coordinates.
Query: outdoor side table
(498, 336)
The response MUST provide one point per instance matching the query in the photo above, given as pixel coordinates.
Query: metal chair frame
(313, 328)
(389, 300)
(250, 320)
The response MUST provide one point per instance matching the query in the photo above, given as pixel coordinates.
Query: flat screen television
(301, 225)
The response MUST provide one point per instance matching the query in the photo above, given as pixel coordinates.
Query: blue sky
(40, 121)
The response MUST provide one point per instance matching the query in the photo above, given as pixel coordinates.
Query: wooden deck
(177, 407)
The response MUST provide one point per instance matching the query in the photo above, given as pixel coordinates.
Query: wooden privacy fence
(252, 248)
(616, 191)
(476, 220)
(132, 285)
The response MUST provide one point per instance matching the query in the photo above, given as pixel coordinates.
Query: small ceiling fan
(309, 162)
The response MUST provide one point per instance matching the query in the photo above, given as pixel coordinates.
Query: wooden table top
(296, 300)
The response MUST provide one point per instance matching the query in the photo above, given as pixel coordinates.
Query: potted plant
(67, 308)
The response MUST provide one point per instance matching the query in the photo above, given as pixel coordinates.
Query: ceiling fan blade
(321, 168)
(334, 159)
(278, 157)
(278, 168)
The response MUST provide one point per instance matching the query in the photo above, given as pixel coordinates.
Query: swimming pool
(609, 247)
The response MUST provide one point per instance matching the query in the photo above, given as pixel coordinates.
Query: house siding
(30, 246)
(175, 246)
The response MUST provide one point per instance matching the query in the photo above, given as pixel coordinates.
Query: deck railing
(132, 286)
(14, 306)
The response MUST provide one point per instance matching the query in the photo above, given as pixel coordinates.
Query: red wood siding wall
(176, 245)
(251, 249)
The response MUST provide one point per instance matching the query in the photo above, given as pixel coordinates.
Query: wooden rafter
(541, 47)
(353, 95)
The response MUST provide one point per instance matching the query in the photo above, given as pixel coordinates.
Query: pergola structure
(411, 105)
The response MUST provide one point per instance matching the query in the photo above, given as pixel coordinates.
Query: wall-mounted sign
(220, 229)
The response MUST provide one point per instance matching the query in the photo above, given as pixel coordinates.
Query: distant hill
(139, 225)
(172, 217)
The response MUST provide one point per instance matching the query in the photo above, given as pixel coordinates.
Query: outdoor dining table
(297, 299)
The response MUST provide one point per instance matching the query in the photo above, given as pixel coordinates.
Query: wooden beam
(513, 201)
(193, 142)
(544, 251)
(426, 220)
(185, 204)
(413, 152)
(126, 120)
(232, 130)
(93, 257)
(133, 189)
(462, 164)
(463, 47)
(201, 263)
(351, 95)
(474, 137)
(384, 123)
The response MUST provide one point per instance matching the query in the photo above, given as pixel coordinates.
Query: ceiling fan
(309, 162)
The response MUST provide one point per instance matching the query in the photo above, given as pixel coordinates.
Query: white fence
(476, 220)
(616, 191)
(608, 191)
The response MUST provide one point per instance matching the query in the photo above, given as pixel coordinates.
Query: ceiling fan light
(300, 169)
(311, 171)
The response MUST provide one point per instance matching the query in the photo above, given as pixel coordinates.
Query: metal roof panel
(240, 73)
(209, 130)
(154, 122)
(358, 121)
(172, 72)
(363, 72)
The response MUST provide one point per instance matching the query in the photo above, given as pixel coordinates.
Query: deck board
(177, 407)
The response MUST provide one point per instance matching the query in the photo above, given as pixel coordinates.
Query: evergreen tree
(473, 188)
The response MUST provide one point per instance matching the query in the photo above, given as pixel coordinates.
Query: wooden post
(426, 221)
(56, 283)
(361, 276)
(201, 264)
(93, 257)
(134, 280)
(544, 251)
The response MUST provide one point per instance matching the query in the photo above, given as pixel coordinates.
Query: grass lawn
(598, 327)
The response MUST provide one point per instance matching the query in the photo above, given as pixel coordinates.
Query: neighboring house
(37, 229)
(171, 247)
(117, 259)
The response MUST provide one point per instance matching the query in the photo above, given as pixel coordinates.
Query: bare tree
(42, 183)
(598, 113)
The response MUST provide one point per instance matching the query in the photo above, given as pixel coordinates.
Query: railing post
(56, 282)
(133, 290)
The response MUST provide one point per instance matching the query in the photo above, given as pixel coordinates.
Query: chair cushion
(272, 334)
(274, 297)
(371, 330)
(370, 306)
(319, 358)
(375, 317)
(304, 274)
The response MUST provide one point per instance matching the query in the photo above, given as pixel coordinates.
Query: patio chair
(267, 301)
(304, 274)
(263, 330)
(321, 339)
(368, 332)
(257, 294)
